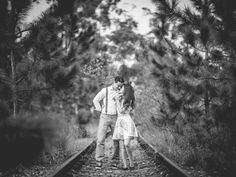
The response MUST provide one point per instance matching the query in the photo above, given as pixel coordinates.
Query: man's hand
(97, 113)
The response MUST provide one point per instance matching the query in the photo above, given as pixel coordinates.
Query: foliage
(46, 66)
(50, 55)
(24, 138)
(196, 76)
(124, 39)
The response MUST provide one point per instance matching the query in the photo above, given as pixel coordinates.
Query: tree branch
(216, 79)
(20, 32)
(172, 48)
(19, 80)
(36, 89)
(200, 50)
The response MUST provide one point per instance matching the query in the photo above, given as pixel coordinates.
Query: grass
(42, 138)
(60, 138)
(74, 143)
(207, 152)
(72, 136)
(190, 144)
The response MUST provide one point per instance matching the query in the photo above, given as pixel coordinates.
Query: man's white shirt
(101, 96)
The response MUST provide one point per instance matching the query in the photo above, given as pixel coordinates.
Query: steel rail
(68, 163)
(178, 172)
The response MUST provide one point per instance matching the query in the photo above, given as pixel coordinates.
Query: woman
(125, 129)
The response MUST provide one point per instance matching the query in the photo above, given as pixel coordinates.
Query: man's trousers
(106, 121)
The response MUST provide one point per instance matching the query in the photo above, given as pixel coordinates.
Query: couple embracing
(118, 102)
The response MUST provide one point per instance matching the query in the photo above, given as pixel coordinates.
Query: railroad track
(148, 163)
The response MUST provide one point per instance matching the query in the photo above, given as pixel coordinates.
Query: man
(107, 118)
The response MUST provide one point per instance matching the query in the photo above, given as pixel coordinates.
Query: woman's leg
(123, 153)
(129, 151)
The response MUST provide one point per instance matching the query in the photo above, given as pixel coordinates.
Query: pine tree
(196, 76)
(48, 52)
(51, 61)
(12, 15)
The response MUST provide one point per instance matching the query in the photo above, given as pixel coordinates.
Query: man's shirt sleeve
(99, 97)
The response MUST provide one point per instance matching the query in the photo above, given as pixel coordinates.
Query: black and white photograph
(117, 88)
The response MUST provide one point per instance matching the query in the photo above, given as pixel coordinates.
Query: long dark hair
(128, 96)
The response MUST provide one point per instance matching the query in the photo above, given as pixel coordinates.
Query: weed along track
(147, 163)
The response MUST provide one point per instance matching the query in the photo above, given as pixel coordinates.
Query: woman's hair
(119, 79)
(128, 96)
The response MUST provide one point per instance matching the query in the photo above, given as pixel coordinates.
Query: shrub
(23, 138)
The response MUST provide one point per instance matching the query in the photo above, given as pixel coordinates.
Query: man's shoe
(122, 168)
(132, 167)
(98, 164)
(115, 157)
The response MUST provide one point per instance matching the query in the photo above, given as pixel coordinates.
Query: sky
(133, 7)
(36, 11)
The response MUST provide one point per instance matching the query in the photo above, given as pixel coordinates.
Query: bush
(195, 143)
(23, 138)
(4, 110)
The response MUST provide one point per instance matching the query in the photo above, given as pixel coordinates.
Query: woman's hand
(118, 96)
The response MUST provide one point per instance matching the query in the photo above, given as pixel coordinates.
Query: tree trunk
(207, 102)
(206, 99)
(14, 89)
(12, 59)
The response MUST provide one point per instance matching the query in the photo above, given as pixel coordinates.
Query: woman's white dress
(125, 127)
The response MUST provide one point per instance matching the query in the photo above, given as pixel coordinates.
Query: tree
(55, 64)
(45, 54)
(196, 76)
(12, 14)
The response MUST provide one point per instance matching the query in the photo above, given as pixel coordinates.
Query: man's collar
(111, 88)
